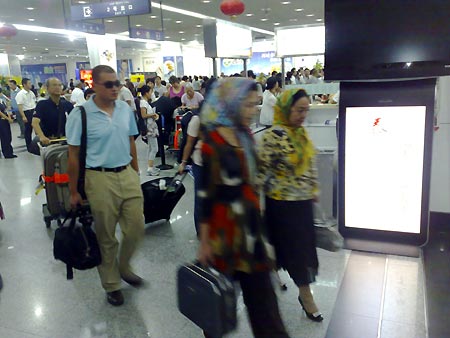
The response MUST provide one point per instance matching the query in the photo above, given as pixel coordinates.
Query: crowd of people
(229, 171)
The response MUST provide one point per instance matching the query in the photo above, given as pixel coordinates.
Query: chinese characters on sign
(110, 9)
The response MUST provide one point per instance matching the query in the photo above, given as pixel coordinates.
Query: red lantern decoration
(7, 31)
(232, 8)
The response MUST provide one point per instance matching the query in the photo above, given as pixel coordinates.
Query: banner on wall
(42, 72)
(260, 62)
(180, 66)
(124, 69)
(102, 50)
(169, 66)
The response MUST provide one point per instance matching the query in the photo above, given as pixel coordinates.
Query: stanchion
(162, 152)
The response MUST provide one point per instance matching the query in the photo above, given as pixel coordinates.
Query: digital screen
(384, 152)
(314, 38)
(233, 40)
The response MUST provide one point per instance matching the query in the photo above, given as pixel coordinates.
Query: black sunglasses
(110, 84)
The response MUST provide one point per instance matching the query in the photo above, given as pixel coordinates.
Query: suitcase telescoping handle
(173, 186)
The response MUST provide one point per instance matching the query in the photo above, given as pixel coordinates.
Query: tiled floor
(37, 300)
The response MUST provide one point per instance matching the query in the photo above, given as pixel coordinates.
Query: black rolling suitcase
(159, 204)
(207, 298)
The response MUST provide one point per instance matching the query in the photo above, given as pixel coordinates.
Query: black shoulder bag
(76, 244)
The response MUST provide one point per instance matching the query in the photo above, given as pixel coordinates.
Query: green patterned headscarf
(297, 136)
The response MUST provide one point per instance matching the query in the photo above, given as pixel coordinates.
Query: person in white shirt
(313, 79)
(77, 97)
(159, 88)
(196, 84)
(191, 99)
(126, 96)
(269, 101)
(148, 113)
(26, 103)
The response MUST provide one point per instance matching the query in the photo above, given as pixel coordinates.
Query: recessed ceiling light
(178, 21)
(24, 47)
(319, 19)
(206, 1)
(299, 9)
(46, 48)
(293, 20)
(36, 39)
(285, 2)
(109, 20)
(138, 25)
(183, 39)
(249, 14)
(30, 8)
(181, 32)
(31, 19)
(167, 37)
(310, 15)
(56, 56)
(153, 16)
(199, 26)
(82, 2)
(264, 19)
(276, 24)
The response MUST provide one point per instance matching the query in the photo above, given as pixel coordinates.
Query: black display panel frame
(388, 94)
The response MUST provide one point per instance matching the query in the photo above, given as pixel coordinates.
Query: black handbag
(207, 298)
(76, 244)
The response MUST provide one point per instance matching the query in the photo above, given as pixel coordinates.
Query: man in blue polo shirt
(112, 182)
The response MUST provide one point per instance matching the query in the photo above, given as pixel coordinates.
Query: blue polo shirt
(108, 137)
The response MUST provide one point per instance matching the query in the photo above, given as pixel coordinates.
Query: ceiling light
(24, 47)
(293, 20)
(153, 16)
(138, 25)
(167, 37)
(46, 48)
(299, 9)
(310, 15)
(285, 2)
(178, 21)
(206, 1)
(30, 8)
(56, 56)
(276, 24)
(31, 19)
(319, 19)
(21, 57)
(109, 20)
(82, 2)
(249, 14)
(183, 39)
(199, 26)
(181, 32)
(36, 39)
(264, 19)
(71, 37)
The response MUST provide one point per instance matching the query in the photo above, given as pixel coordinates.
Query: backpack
(76, 244)
(187, 117)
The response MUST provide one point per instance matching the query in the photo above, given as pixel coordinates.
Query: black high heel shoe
(316, 317)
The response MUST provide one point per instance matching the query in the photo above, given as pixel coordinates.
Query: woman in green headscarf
(289, 176)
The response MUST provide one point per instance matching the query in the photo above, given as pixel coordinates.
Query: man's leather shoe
(115, 298)
(12, 156)
(133, 279)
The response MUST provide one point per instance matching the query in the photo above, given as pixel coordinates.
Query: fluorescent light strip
(201, 16)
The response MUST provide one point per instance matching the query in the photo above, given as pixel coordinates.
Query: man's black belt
(110, 170)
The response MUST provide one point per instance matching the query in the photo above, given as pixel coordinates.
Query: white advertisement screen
(300, 41)
(384, 150)
(233, 40)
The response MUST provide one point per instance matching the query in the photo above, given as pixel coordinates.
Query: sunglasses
(110, 84)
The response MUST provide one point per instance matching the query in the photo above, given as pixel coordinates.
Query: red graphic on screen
(377, 121)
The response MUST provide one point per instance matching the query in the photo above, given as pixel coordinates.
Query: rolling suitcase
(207, 298)
(158, 203)
(56, 180)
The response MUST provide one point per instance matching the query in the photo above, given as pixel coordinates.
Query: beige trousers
(115, 198)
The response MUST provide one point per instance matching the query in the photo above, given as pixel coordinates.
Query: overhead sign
(109, 9)
(139, 33)
(87, 27)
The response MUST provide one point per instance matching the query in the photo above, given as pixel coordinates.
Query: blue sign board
(139, 33)
(87, 27)
(109, 9)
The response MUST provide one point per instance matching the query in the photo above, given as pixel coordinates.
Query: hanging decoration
(232, 8)
(7, 31)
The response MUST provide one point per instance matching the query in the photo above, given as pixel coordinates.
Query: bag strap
(83, 154)
(60, 119)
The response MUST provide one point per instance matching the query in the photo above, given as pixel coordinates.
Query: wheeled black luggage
(207, 298)
(159, 203)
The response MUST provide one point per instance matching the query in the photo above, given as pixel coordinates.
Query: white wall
(440, 173)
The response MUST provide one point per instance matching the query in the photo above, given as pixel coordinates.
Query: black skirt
(291, 231)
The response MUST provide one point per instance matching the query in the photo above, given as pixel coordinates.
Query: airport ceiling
(261, 14)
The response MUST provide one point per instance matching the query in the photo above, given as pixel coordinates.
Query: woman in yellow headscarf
(289, 176)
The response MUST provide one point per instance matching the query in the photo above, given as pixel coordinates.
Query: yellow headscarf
(297, 136)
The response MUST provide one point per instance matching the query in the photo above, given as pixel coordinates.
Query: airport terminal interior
(369, 288)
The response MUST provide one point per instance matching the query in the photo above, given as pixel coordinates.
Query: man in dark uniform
(49, 119)
(5, 132)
